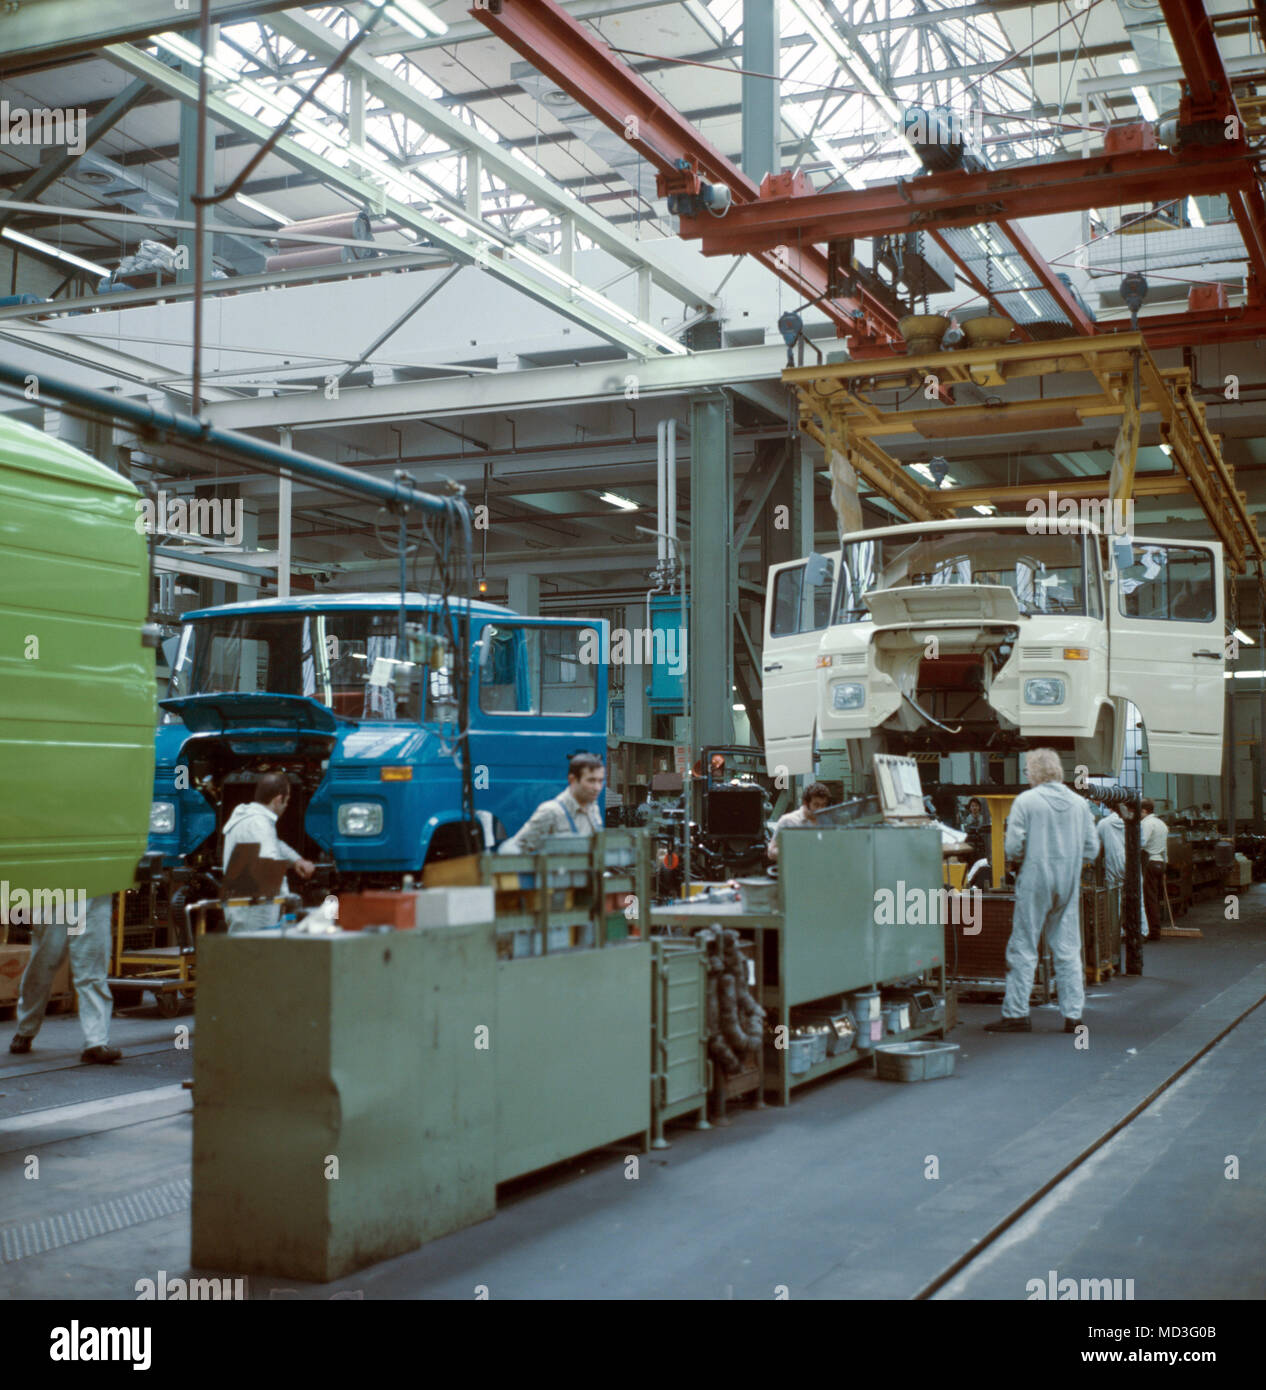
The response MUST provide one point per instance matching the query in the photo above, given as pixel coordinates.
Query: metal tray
(914, 1061)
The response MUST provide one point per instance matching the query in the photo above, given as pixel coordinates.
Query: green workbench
(823, 939)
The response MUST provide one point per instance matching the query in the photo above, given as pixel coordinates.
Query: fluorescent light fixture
(739, 709)
(1194, 214)
(984, 508)
(412, 16)
(45, 249)
(189, 53)
(1243, 637)
(1147, 107)
(617, 501)
(262, 210)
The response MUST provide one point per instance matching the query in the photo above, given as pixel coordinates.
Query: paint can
(869, 1033)
(799, 1055)
(864, 1005)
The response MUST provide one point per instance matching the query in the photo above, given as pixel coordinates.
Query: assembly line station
(554, 556)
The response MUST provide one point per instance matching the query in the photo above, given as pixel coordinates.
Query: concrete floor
(836, 1197)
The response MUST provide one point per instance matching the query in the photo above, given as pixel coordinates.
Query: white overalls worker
(1050, 831)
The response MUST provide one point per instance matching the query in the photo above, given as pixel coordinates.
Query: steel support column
(787, 518)
(712, 588)
(762, 51)
(524, 594)
(187, 183)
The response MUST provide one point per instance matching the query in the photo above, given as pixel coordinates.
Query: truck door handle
(1213, 656)
(777, 666)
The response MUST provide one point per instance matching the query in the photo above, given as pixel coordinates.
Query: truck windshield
(1045, 570)
(348, 661)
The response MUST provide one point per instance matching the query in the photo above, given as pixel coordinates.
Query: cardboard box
(452, 873)
(13, 961)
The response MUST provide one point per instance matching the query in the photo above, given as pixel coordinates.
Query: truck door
(1166, 647)
(539, 696)
(797, 612)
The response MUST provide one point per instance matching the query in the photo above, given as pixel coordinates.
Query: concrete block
(343, 1110)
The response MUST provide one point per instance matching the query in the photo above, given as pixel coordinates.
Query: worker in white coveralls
(1111, 833)
(1050, 831)
(255, 822)
(88, 943)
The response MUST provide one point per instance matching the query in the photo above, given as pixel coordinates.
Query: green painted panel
(572, 1048)
(908, 862)
(830, 881)
(77, 710)
(355, 1047)
(828, 929)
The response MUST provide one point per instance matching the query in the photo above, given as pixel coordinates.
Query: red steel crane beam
(586, 69)
(1192, 32)
(1082, 323)
(1179, 330)
(1209, 104)
(961, 199)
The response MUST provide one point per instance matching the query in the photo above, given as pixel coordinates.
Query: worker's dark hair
(814, 789)
(1147, 806)
(582, 763)
(272, 785)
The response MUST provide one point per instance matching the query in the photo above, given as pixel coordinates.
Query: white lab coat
(253, 823)
(1050, 829)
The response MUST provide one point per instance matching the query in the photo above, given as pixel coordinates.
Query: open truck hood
(220, 713)
(929, 603)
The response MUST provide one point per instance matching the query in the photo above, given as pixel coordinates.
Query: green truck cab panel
(77, 684)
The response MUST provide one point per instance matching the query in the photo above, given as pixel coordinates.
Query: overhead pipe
(147, 420)
(670, 488)
(661, 494)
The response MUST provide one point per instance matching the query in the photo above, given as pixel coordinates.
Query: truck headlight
(1045, 690)
(359, 818)
(849, 695)
(162, 818)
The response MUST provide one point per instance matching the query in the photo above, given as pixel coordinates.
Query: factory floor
(860, 1189)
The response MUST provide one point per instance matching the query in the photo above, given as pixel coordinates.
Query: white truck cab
(995, 634)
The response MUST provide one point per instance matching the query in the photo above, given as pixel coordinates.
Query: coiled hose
(735, 1020)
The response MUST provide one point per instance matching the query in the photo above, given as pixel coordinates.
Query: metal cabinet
(679, 1034)
(830, 934)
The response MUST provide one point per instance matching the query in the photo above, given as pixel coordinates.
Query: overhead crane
(783, 221)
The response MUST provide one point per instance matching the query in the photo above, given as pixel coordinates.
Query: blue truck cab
(356, 698)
